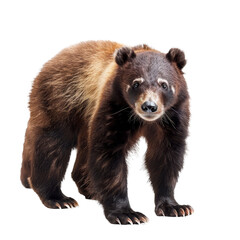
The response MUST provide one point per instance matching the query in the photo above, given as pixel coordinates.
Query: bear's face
(150, 80)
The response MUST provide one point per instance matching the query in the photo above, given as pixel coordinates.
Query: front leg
(108, 170)
(164, 160)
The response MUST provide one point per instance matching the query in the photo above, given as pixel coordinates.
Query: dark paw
(129, 217)
(170, 210)
(65, 202)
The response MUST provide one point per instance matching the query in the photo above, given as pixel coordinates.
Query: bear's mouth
(150, 117)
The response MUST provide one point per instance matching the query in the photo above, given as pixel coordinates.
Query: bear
(101, 97)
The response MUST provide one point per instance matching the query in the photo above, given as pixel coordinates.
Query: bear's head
(151, 82)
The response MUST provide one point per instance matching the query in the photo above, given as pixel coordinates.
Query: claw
(130, 221)
(58, 205)
(143, 219)
(137, 221)
(187, 210)
(160, 212)
(182, 212)
(74, 203)
(175, 212)
(118, 221)
(191, 210)
(68, 205)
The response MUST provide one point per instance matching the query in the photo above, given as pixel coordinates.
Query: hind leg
(52, 148)
(80, 169)
(26, 159)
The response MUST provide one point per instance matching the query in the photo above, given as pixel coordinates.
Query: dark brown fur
(79, 99)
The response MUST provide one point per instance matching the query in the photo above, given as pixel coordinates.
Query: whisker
(162, 118)
(170, 120)
(174, 110)
(133, 117)
(120, 111)
(130, 116)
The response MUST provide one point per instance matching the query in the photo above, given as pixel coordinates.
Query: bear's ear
(176, 55)
(123, 55)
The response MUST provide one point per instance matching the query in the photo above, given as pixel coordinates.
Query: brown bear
(100, 97)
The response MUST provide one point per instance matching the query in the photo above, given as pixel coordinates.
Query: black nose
(149, 106)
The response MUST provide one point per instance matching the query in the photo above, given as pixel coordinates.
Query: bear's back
(74, 78)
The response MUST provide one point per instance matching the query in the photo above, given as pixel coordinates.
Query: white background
(208, 31)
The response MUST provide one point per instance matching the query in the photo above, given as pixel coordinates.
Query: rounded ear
(123, 55)
(176, 55)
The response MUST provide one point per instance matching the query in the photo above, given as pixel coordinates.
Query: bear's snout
(149, 107)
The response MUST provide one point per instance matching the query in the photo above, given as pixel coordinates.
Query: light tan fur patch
(152, 96)
(161, 80)
(30, 182)
(147, 96)
(139, 80)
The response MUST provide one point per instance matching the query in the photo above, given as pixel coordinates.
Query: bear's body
(100, 97)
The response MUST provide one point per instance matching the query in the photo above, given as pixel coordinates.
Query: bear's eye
(164, 86)
(135, 84)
